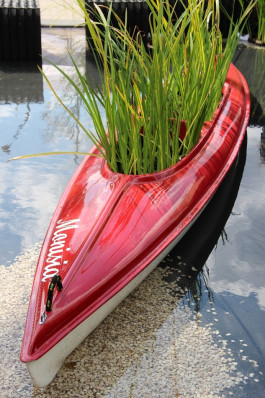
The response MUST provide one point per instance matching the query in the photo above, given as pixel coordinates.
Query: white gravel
(150, 346)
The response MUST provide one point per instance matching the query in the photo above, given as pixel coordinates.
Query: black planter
(20, 30)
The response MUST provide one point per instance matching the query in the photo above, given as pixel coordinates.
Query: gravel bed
(150, 346)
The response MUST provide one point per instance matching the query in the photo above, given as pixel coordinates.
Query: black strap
(56, 280)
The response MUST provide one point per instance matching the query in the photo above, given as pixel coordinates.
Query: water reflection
(7, 147)
(59, 123)
(251, 60)
(238, 267)
(20, 82)
(32, 121)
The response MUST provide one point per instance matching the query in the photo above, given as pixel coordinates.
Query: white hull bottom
(44, 369)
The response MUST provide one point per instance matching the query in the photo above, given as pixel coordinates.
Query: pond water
(195, 327)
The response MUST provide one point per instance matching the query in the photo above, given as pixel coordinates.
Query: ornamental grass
(260, 8)
(256, 23)
(156, 97)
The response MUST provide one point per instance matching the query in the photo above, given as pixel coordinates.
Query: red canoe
(110, 230)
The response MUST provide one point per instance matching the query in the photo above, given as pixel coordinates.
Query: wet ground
(195, 327)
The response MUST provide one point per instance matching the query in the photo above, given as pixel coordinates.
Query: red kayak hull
(109, 227)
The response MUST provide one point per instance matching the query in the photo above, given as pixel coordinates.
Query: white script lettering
(55, 254)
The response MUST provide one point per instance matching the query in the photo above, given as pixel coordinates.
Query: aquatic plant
(256, 21)
(156, 97)
(260, 7)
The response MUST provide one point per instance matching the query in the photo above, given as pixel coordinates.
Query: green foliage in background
(260, 7)
(256, 21)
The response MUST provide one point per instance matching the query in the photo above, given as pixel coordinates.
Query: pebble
(148, 347)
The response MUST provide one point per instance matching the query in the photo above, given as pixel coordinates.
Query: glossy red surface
(118, 224)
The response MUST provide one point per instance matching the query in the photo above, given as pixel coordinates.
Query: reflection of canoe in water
(109, 232)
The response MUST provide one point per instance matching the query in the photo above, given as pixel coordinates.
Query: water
(32, 121)
(200, 320)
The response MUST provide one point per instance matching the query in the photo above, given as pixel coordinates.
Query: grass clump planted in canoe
(150, 94)
(261, 20)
